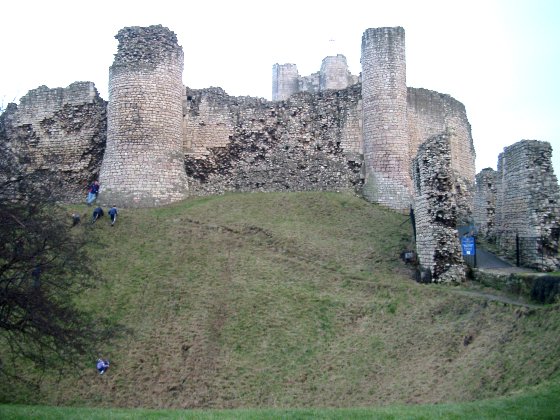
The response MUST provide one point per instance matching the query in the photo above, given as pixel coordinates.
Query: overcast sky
(501, 58)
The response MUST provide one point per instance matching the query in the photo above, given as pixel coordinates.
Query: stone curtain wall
(143, 163)
(430, 113)
(334, 74)
(311, 83)
(435, 205)
(309, 142)
(384, 94)
(207, 121)
(528, 203)
(485, 202)
(59, 133)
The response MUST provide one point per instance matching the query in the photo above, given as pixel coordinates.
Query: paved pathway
(487, 261)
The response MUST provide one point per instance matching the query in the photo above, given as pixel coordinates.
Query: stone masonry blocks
(436, 210)
(528, 204)
(384, 95)
(143, 164)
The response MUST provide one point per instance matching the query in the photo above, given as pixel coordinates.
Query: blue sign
(467, 245)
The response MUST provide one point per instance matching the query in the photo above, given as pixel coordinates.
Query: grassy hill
(291, 300)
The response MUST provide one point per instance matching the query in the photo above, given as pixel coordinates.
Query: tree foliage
(43, 270)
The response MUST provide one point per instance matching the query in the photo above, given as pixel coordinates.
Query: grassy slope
(540, 403)
(292, 300)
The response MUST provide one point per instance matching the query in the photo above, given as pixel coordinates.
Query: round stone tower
(386, 146)
(143, 165)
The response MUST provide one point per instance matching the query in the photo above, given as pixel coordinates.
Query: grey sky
(500, 58)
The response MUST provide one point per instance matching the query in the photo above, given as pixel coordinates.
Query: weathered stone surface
(309, 142)
(386, 146)
(59, 133)
(436, 211)
(485, 202)
(334, 74)
(143, 164)
(430, 113)
(528, 204)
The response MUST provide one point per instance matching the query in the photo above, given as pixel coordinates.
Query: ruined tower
(384, 94)
(143, 164)
(334, 73)
(285, 81)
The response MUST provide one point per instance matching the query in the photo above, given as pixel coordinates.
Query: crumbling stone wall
(436, 209)
(528, 204)
(59, 133)
(485, 202)
(385, 129)
(309, 142)
(143, 162)
(430, 113)
(334, 74)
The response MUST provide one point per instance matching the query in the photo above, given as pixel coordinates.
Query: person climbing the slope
(75, 219)
(113, 214)
(93, 190)
(102, 365)
(97, 213)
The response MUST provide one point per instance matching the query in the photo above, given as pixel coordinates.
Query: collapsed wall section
(309, 142)
(528, 204)
(385, 130)
(430, 113)
(60, 134)
(143, 163)
(436, 209)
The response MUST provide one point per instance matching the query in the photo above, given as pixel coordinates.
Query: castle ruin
(334, 74)
(156, 141)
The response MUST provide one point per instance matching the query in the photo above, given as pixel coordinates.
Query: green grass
(298, 300)
(535, 404)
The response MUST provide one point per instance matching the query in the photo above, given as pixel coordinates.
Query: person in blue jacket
(102, 366)
(113, 214)
(92, 192)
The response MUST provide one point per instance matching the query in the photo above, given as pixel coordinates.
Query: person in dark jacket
(93, 190)
(75, 219)
(97, 213)
(113, 215)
